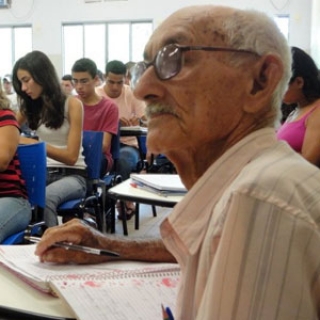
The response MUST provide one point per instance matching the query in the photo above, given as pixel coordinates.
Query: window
(119, 42)
(18, 42)
(73, 46)
(282, 22)
(105, 41)
(141, 33)
(94, 43)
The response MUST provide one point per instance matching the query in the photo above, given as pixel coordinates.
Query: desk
(17, 294)
(125, 192)
(137, 132)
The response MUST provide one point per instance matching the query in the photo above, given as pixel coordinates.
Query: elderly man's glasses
(168, 61)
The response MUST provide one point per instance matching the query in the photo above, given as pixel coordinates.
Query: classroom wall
(47, 16)
(315, 31)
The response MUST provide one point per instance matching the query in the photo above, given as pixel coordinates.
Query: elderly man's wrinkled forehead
(192, 25)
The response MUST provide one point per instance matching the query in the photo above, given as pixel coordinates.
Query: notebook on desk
(166, 183)
(123, 296)
(112, 290)
(21, 261)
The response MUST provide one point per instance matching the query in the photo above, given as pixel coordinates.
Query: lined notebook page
(124, 296)
(20, 260)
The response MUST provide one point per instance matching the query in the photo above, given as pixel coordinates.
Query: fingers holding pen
(75, 232)
(65, 256)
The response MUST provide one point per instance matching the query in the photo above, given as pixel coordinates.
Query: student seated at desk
(15, 210)
(100, 114)
(57, 119)
(247, 233)
(131, 113)
(131, 110)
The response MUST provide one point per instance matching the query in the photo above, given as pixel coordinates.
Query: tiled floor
(149, 225)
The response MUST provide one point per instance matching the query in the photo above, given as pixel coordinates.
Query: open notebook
(20, 260)
(130, 295)
(112, 290)
(165, 184)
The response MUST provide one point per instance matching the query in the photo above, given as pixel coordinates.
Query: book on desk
(134, 128)
(107, 290)
(161, 184)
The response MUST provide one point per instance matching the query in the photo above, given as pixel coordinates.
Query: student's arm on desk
(77, 232)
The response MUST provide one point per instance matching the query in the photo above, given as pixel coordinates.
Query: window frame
(106, 24)
(14, 56)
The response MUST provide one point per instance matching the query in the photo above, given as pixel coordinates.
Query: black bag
(162, 165)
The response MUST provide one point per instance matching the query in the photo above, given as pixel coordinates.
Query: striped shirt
(11, 182)
(247, 236)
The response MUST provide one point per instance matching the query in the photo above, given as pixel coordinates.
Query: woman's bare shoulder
(74, 102)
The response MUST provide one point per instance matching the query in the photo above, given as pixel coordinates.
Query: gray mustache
(152, 109)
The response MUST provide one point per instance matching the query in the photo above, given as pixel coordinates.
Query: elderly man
(246, 235)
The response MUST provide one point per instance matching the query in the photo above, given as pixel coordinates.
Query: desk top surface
(126, 191)
(19, 295)
(133, 131)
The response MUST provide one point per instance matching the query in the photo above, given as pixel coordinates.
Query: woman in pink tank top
(302, 128)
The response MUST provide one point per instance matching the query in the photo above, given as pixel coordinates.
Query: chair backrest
(92, 151)
(33, 164)
(143, 144)
(115, 149)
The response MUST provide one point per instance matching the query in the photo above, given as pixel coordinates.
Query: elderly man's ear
(267, 72)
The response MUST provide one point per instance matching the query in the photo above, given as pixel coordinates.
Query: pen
(166, 313)
(147, 188)
(76, 247)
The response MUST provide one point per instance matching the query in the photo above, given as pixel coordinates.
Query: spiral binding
(119, 274)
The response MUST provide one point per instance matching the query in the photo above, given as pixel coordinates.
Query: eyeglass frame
(182, 49)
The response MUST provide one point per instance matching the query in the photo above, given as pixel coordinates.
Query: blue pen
(166, 313)
(169, 313)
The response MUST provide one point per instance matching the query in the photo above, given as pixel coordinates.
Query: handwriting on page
(121, 298)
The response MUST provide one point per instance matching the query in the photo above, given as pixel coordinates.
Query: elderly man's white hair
(254, 30)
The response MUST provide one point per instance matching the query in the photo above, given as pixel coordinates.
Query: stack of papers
(161, 184)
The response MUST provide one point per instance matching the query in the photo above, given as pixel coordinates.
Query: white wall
(315, 32)
(47, 16)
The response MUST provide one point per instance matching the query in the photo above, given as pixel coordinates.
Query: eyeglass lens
(167, 64)
(136, 72)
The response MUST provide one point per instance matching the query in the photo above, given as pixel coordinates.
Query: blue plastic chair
(92, 151)
(109, 180)
(114, 178)
(115, 152)
(33, 164)
(142, 143)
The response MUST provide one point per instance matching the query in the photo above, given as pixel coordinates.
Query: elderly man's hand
(75, 232)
